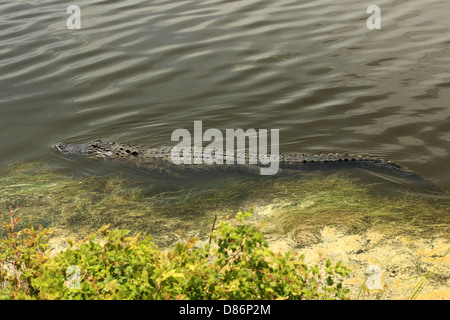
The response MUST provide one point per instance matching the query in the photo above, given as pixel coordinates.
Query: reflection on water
(137, 70)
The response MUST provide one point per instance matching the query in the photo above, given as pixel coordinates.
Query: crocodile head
(94, 149)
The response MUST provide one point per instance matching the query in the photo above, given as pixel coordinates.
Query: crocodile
(158, 157)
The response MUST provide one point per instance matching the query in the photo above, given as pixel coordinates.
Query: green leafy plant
(22, 254)
(236, 264)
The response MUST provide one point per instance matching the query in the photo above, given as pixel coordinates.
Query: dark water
(137, 70)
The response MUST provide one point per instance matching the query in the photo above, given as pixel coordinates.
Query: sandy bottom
(384, 265)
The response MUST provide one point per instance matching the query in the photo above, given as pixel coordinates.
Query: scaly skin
(101, 149)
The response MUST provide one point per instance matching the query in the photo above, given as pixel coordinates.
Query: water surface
(137, 70)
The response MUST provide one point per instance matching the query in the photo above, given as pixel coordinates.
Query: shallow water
(137, 70)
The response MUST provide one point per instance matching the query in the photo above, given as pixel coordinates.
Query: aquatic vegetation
(302, 204)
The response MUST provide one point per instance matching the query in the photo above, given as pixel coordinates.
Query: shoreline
(406, 237)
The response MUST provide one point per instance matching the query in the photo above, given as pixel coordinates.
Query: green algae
(299, 206)
(305, 209)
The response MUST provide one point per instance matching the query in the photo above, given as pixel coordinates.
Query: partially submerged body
(101, 149)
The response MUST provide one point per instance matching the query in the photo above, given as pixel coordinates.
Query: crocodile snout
(58, 147)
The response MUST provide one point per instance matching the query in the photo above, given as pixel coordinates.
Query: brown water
(137, 70)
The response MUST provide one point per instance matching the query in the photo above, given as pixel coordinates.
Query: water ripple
(139, 69)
